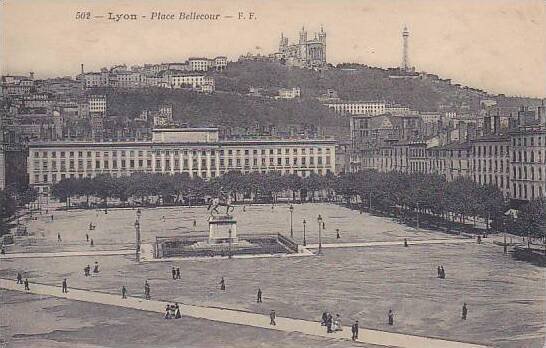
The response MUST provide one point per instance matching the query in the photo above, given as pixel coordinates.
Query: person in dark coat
(168, 312)
(147, 290)
(86, 270)
(65, 286)
(259, 298)
(173, 272)
(442, 272)
(26, 284)
(272, 316)
(465, 311)
(87, 237)
(96, 267)
(324, 319)
(337, 234)
(91, 242)
(222, 284)
(59, 237)
(354, 330)
(391, 317)
(405, 242)
(439, 272)
(19, 278)
(123, 292)
(177, 314)
(329, 321)
(178, 273)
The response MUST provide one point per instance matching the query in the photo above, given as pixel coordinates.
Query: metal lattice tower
(405, 60)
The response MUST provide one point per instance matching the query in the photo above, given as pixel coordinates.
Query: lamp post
(319, 220)
(417, 215)
(229, 244)
(304, 241)
(137, 231)
(291, 208)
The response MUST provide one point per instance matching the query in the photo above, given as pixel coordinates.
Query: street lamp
(319, 220)
(417, 215)
(137, 231)
(291, 208)
(229, 243)
(304, 242)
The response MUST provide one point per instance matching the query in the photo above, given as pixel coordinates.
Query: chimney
(82, 68)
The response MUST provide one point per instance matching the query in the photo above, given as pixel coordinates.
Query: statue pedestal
(222, 229)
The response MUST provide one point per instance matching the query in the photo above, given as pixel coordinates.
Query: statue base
(222, 229)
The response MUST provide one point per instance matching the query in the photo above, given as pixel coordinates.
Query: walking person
(178, 273)
(26, 285)
(147, 290)
(337, 234)
(259, 298)
(19, 278)
(177, 314)
(167, 312)
(222, 284)
(272, 316)
(442, 272)
(123, 292)
(439, 272)
(354, 330)
(86, 270)
(465, 311)
(59, 237)
(65, 286)
(87, 237)
(91, 243)
(405, 242)
(173, 272)
(391, 317)
(337, 323)
(96, 268)
(329, 321)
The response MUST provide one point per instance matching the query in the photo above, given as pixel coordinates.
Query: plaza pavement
(391, 243)
(368, 336)
(68, 254)
(147, 250)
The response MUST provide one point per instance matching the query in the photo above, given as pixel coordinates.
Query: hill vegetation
(352, 82)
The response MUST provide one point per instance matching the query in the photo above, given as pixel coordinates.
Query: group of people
(20, 281)
(175, 272)
(441, 272)
(331, 324)
(87, 269)
(172, 311)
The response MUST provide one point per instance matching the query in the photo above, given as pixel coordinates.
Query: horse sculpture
(221, 201)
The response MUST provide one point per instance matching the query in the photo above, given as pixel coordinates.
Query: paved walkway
(376, 337)
(391, 243)
(68, 254)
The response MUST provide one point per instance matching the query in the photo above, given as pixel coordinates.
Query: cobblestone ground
(505, 297)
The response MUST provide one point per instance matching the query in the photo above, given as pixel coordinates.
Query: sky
(495, 45)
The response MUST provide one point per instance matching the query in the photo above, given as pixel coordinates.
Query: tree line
(401, 194)
(13, 199)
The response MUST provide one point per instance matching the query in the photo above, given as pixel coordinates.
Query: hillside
(352, 82)
(228, 109)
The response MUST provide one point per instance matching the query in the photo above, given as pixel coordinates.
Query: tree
(8, 207)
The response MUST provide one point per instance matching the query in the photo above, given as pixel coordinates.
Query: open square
(358, 283)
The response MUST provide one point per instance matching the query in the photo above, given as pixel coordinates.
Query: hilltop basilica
(306, 53)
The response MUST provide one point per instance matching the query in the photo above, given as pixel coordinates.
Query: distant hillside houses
(190, 74)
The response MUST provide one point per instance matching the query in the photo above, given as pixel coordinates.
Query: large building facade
(195, 151)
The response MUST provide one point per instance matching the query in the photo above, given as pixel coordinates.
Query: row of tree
(398, 193)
